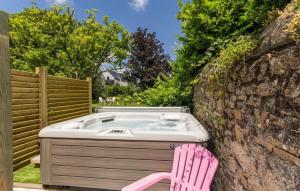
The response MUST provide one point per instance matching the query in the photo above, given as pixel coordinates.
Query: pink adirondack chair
(193, 170)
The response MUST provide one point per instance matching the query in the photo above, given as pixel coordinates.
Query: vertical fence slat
(89, 79)
(38, 72)
(44, 96)
(5, 108)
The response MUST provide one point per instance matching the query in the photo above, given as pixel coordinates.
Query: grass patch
(28, 174)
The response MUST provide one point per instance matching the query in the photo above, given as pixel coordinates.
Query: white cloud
(58, 2)
(138, 5)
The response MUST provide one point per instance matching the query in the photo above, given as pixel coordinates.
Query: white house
(113, 77)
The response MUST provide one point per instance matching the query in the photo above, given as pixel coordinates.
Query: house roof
(116, 75)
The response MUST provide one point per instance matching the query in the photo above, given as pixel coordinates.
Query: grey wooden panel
(117, 143)
(45, 161)
(164, 166)
(100, 183)
(150, 154)
(105, 173)
(6, 166)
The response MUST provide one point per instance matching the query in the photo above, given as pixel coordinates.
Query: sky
(157, 15)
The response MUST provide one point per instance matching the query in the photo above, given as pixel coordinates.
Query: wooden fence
(38, 100)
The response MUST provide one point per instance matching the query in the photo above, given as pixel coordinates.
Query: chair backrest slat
(193, 168)
(203, 168)
(175, 168)
(180, 169)
(210, 172)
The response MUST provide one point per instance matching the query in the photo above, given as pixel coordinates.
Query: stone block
(277, 121)
(250, 101)
(231, 104)
(233, 98)
(237, 114)
(269, 104)
(275, 34)
(231, 88)
(251, 90)
(260, 118)
(242, 98)
(232, 165)
(287, 156)
(264, 65)
(265, 143)
(265, 89)
(284, 60)
(239, 134)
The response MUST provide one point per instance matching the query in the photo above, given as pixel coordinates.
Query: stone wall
(254, 122)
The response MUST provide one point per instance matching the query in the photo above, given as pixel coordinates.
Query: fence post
(44, 97)
(89, 79)
(6, 166)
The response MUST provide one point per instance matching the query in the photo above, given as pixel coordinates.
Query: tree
(54, 38)
(147, 60)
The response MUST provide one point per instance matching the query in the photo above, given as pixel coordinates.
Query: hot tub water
(141, 125)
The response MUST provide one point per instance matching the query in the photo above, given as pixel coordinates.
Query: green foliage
(211, 34)
(115, 90)
(207, 25)
(54, 38)
(296, 4)
(169, 90)
(166, 92)
(294, 27)
(218, 69)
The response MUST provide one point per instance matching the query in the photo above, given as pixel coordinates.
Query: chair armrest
(147, 181)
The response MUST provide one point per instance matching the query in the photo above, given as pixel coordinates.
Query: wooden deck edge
(27, 185)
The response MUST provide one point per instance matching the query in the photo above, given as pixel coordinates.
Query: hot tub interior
(145, 122)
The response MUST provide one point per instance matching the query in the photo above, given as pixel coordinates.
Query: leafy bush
(165, 93)
(294, 27)
(296, 4)
(208, 25)
(115, 90)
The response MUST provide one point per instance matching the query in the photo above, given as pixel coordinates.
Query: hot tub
(112, 148)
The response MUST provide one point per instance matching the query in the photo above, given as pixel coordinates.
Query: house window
(107, 77)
